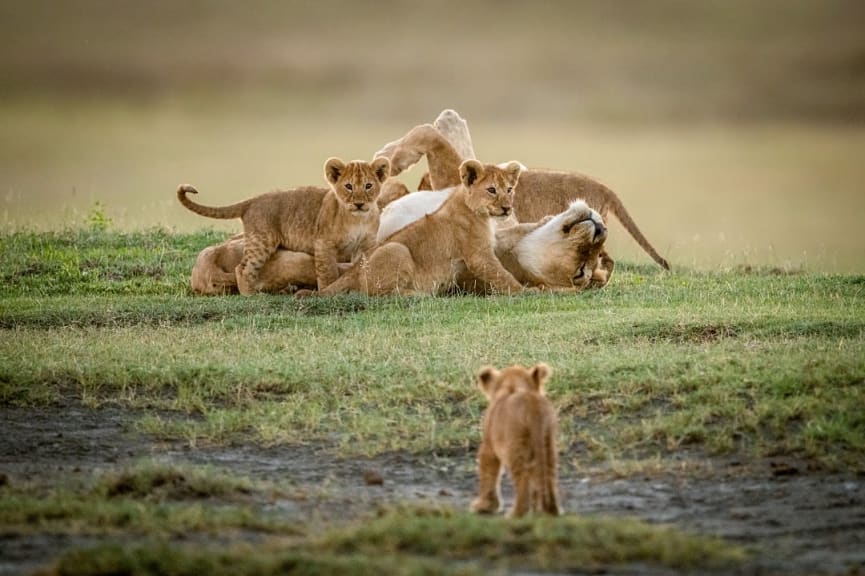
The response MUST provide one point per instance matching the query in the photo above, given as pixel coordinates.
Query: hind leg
(489, 480)
(388, 270)
(256, 251)
(522, 492)
(550, 488)
(456, 130)
(443, 160)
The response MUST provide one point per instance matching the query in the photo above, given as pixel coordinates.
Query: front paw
(305, 293)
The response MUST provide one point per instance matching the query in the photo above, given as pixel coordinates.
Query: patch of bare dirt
(798, 521)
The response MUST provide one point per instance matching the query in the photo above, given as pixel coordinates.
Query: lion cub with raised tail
(519, 433)
(334, 225)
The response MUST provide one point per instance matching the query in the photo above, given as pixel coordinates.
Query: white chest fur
(402, 212)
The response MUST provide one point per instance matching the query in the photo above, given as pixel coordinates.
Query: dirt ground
(798, 521)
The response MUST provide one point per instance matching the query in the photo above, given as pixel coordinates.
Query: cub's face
(357, 184)
(490, 188)
(497, 384)
(566, 250)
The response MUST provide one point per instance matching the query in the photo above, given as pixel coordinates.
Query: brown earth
(798, 521)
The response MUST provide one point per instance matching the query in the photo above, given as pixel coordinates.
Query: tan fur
(518, 433)
(423, 256)
(561, 253)
(286, 271)
(456, 130)
(542, 192)
(334, 225)
(283, 273)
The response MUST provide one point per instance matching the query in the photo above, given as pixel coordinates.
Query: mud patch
(798, 522)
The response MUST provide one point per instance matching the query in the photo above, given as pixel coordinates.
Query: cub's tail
(223, 212)
(618, 208)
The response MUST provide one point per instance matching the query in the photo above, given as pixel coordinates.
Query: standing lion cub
(519, 433)
(334, 225)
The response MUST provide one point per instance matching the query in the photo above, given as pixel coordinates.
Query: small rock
(372, 478)
(783, 469)
(444, 492)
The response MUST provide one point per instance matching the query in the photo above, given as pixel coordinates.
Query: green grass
(551, 544)
(755, 362)
(161, 559)
(149, 499)
(162, 506)
(418, 541)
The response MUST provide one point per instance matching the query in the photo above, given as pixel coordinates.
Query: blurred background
(733, 130)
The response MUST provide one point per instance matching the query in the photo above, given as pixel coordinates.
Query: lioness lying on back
(423, 256)
(519, 433)
(559, 252)
(334, 225)
(542, 192)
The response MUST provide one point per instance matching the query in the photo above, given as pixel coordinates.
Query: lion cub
(425, 256)
(334, 225)
(519, 432)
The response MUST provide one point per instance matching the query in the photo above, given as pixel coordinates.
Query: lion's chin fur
(547, 245)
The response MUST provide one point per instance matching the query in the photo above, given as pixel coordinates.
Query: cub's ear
(471, 171)
(513, 169)
(333, 169)
(381, 167)
(540, 374)
(486, 377)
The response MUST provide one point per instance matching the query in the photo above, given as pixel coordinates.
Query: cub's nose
(506, 210)
(358, 205)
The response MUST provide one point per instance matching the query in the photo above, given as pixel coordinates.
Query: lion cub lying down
(423, 257)
(334, 225)
(519, 433)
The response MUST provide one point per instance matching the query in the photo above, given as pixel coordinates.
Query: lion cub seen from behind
(335, 225)
(519, 433)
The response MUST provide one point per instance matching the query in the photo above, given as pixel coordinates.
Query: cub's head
(357, 183)
(566, 250)
(496, 384)
(490, 189)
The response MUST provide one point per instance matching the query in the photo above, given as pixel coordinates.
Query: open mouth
(580, 275)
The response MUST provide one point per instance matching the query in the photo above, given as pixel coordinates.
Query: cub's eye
(367, 186)
(492, 190)
(510, 190)
(348, 187)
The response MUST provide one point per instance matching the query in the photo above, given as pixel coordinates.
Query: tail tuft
(186, 189)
